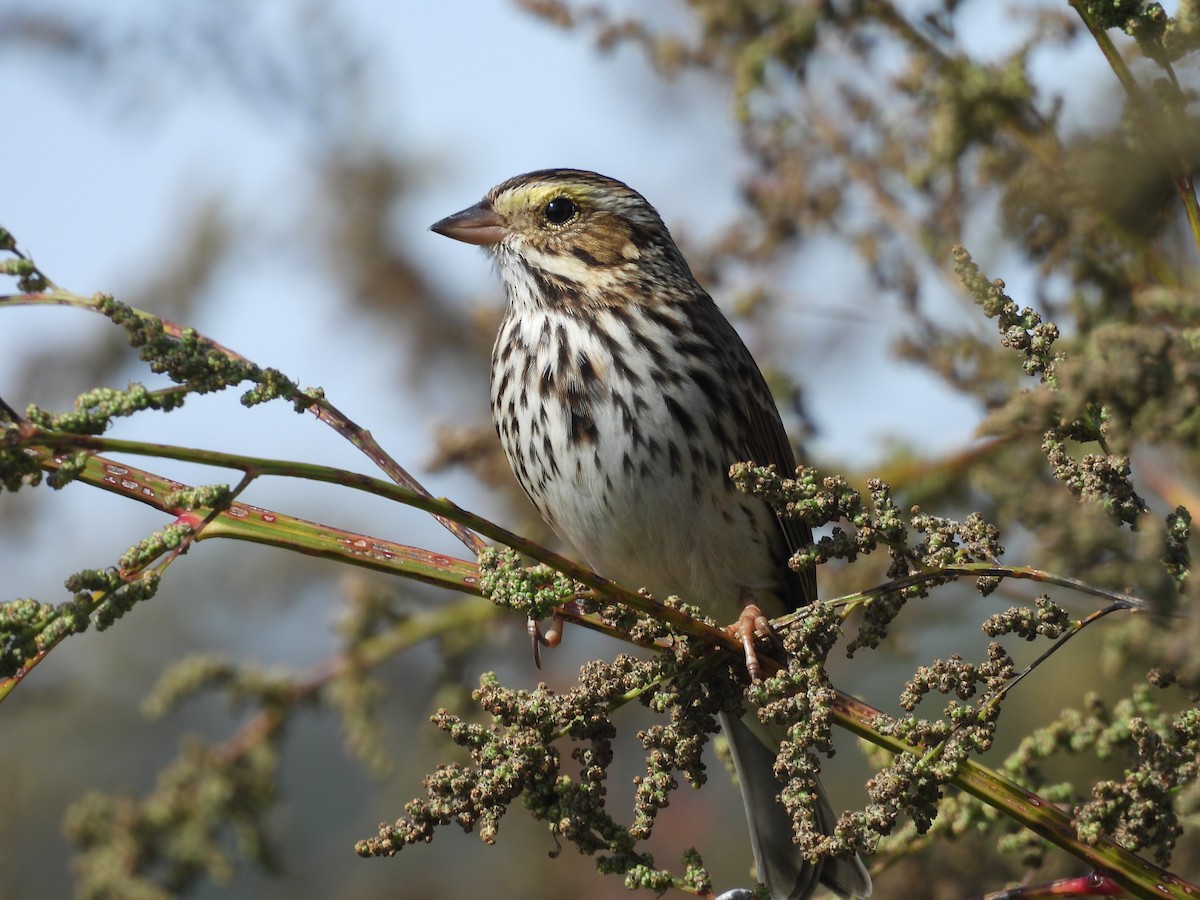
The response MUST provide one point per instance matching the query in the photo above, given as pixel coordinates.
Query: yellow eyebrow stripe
(535, 195)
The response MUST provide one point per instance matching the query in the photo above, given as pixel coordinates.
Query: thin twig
(318, 406)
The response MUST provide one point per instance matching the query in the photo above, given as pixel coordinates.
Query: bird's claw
(752, 624)
(551, 638)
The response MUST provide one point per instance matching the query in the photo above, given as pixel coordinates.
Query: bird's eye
(560, 210)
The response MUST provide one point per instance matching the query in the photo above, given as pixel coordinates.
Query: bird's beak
(478, 224)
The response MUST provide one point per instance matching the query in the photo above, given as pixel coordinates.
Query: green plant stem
(29, 437)
(986, 570)
(243, 522)
(319, 406)
(250, 523)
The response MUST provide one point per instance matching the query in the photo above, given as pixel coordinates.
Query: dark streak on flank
(681, 415)
(583, 426)
(647, 343)
(628, 423)
(587, 374)
(663, 316)
(675, 458)
(564, 351)
(708, 384)
(617, 353)
(505, 381)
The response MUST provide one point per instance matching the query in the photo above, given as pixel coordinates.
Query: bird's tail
(780, 865)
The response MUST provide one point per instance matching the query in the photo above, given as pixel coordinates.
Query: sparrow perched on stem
(622, 395)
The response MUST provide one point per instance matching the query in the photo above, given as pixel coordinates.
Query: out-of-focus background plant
(265, 171)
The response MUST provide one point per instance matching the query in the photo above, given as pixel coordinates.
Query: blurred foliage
(897, 130)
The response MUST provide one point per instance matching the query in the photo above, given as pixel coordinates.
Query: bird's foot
(752, 624)
(552, 637)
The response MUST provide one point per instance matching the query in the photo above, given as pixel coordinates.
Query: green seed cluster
(1020, 329)
(518, 756)
(30, 279)
(28, 627)
(912, 785)
(110, 595)
(1047, 620)
(1159, 751)
(1103, 478)
(536, 591)
(918, 544)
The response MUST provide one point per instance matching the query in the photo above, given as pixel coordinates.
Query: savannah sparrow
(622, 395)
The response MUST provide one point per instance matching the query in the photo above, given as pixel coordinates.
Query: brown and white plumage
(621, 396)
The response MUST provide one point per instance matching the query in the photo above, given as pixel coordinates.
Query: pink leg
(751, 624)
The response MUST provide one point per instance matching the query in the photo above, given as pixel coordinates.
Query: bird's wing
(767, 444)
(761, 437)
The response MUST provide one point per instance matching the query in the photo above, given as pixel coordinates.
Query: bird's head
(586, 233)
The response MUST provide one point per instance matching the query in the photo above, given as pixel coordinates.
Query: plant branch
(316, 404)
(984, 570)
